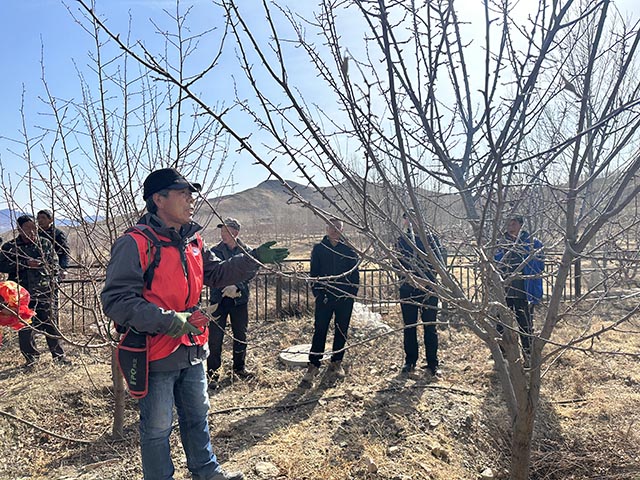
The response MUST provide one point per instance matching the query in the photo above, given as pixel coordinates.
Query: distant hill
(65, 222)
(267, 208)
(8, 219)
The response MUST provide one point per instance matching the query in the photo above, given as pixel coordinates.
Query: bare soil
(55, 421)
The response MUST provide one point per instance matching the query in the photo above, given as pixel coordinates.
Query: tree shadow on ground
(378, 421)
(91, 448)
(295, 406)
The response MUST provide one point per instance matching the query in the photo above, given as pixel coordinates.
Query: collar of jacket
(239, 248)
(21, 242)
(328, 243)
(187, 230)
(523, 237)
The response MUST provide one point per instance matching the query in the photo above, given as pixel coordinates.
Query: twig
(48, 432)
(569, 401)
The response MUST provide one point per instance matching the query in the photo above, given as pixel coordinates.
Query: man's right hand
(33, 263)
(231, 291)
(180, 325)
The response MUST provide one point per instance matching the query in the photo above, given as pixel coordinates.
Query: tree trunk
(119, 395)
(521, 441)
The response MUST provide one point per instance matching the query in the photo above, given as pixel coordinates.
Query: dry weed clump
(587, 427)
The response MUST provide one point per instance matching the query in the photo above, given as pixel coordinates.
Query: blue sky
(44, 29)
(35, 29)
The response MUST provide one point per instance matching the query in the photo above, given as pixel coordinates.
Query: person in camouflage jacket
(32, 262)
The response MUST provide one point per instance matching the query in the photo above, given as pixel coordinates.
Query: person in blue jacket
(520, 259)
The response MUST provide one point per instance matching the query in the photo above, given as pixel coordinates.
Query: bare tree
(506, 121)
(87, 161)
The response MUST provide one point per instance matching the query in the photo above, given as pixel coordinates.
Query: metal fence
(278, 296)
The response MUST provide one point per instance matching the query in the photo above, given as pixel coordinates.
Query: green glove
(180, 325)
(265, 254)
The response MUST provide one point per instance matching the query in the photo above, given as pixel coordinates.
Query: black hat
(24, 219)
(167, 178)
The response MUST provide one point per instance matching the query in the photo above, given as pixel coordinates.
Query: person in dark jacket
(332, 257)
(31, 262)
(163, 307)
(521, 257)
(422, 301)
(46, 229)
(57, 237)
(232, 301)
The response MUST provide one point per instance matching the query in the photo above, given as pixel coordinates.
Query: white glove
(231, 291)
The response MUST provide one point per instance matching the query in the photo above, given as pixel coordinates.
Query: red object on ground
(14, 305)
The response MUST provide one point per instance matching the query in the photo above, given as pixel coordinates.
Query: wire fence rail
(279, 296)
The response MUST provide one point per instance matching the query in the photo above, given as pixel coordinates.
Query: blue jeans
(187, 389)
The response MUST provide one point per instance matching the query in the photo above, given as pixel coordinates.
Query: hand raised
(265, 254)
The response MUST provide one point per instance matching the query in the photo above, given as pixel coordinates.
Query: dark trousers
(427, 305)
(44, 321)
(239, 324)
(524, 314)
(342, 309)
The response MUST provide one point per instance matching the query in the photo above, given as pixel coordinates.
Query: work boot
(30, 362)
(62, 360)
(433, 372)
(408, 367)
(222, 475)
(214, 378)
(337, 369)
(243, 374)
(311, 373)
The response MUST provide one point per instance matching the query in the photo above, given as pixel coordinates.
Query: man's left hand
(265, 254)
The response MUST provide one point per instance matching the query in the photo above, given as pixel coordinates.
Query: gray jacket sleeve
(218, 274)
(121, 296)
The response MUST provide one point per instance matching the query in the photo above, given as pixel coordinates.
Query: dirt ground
(55, 421)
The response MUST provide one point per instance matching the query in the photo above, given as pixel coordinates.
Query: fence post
(577, 266)
(278, 295)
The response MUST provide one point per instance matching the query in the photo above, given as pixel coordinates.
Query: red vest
(173, 287)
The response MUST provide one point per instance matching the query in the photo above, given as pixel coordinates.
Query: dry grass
(375, 424)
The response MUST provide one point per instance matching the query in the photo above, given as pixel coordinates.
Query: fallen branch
(44, 430)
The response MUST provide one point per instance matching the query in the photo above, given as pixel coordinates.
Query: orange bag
(14, 305)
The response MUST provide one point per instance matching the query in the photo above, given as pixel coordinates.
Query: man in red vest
(152, 289)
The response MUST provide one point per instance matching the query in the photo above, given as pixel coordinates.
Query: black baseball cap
(167, 178)
(22, 219)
